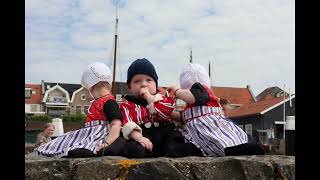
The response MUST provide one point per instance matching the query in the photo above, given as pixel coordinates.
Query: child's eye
(149, 80)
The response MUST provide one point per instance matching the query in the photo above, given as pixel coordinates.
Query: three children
(142, 125)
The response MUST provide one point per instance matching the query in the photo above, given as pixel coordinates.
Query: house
(271, 92)
(33, 97)
(80, 101)
(70, 88)
(64, 98)
(265, 117)
(57, 98)
(56, 101)
(235, 95)
(121, 90)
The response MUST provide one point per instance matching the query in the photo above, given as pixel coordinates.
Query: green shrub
(41, 118)
(74, 118)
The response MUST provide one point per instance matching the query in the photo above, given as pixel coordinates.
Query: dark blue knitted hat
(142, 66)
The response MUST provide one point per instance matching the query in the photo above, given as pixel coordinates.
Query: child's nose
(144, 84)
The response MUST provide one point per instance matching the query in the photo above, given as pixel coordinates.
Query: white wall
(28, 108)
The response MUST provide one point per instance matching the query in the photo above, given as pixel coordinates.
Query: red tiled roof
(35, 98)
(253, 108)
(266, 97)
(234, 95)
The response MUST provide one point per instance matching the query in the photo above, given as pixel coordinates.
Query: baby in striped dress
(204, 122)
(101, 134)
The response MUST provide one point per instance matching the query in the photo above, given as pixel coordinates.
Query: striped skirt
(87, 138)
(208, 129)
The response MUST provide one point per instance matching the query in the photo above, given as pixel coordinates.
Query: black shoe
(245, 149)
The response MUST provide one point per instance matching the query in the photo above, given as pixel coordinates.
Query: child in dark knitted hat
(146, 114)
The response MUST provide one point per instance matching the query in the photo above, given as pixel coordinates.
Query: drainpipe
(261, 123)
(42, 87)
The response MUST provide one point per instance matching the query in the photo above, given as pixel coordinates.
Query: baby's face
(140, 81)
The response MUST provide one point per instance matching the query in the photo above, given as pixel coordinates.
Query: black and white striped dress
(206, 126)
(89, 138)
(208, 129)
(97, 127)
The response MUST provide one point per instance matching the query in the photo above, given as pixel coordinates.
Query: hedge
(41, 118)
(74, 118)
(65, 118)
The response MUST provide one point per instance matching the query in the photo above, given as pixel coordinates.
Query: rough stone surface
(47, 168)
(231, 168)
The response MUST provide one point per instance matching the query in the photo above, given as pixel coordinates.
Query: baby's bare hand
(146, 143)
(144, 92)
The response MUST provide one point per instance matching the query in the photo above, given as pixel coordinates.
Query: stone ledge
(232, 167)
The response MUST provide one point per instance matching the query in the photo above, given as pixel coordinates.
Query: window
(241, 126)
(33, 108)
(263, 136)
(248, 129)
(83, 97)
(33, 92)
(27, 93)
(78, 109)
(118, 97)
(270, 133)
(85, 109)
(56, 99)
(48, 86)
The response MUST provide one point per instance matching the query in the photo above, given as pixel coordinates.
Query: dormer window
(248, 129)
(118, 97)
(27, 93)
(56, 99)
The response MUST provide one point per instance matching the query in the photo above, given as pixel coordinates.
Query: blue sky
(247, 42)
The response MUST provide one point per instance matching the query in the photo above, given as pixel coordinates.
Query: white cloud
(248, 42)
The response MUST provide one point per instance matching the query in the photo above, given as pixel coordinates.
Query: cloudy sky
(248, 42)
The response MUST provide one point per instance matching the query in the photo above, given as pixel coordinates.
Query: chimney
(252, 95)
